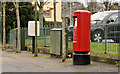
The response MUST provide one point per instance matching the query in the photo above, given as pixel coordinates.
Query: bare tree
(108, 5)
(40, 4)
(63, 34)
(16, 4)
(115, 6)
(4, 36)
(92, 6)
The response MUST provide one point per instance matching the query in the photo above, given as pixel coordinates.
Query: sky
(84, 1)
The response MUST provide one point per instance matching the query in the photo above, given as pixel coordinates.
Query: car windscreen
(99, 16)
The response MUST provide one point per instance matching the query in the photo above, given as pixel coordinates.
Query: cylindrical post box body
(81, 31)
(81, 37)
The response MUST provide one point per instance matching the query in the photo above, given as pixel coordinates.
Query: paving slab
(25, 62)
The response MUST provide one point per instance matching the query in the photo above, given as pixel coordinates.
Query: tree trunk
(70, 13)
(4, 36)
(41, 14)
(18, 23)
(36, 51)
(63, 35)
(55, 24)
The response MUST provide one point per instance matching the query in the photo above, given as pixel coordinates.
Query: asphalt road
(24, 62)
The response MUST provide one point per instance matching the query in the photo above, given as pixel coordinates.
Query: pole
(105, 39)
(119, 36)
(55, 13)
(33, 44)
(45, 36)
(15, 43)
(36, 51)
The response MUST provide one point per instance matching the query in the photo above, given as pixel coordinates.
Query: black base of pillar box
(81, 59)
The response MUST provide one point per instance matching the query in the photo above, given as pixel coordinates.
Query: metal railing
(105, 38)
(43, 39)
(109, 42)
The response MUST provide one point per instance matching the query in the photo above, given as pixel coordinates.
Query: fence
(43, 39)
(104, 40)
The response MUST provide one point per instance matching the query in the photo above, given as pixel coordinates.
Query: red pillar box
(81, 37)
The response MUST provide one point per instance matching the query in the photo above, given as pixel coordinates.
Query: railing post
(15, 41)
(105, 39)
(45, 36)
(33, 44)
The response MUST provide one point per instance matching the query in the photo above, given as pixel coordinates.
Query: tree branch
(42, 4)
(45, 2)
(14, 3)
(38, 5)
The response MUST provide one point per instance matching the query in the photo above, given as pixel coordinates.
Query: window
(47, 13)
(113, 17)
(99, 16)
(118, 19)
(75, 22)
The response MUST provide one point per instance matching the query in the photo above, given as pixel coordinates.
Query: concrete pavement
(25, 62)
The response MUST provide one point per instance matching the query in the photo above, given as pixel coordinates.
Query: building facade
(48, 11)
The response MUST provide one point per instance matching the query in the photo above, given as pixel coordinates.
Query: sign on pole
(31, 28)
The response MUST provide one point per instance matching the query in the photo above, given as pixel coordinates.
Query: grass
(94, 46)
(41, 41)
(100, 47)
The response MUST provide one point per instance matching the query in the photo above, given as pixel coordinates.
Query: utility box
(56, 42)
(81, 37)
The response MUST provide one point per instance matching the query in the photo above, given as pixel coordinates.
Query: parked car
(105, 22)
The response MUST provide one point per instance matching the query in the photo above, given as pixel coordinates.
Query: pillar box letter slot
(81, 37)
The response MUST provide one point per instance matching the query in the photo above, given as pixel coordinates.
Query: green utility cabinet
(56, 42)
(13, 38)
